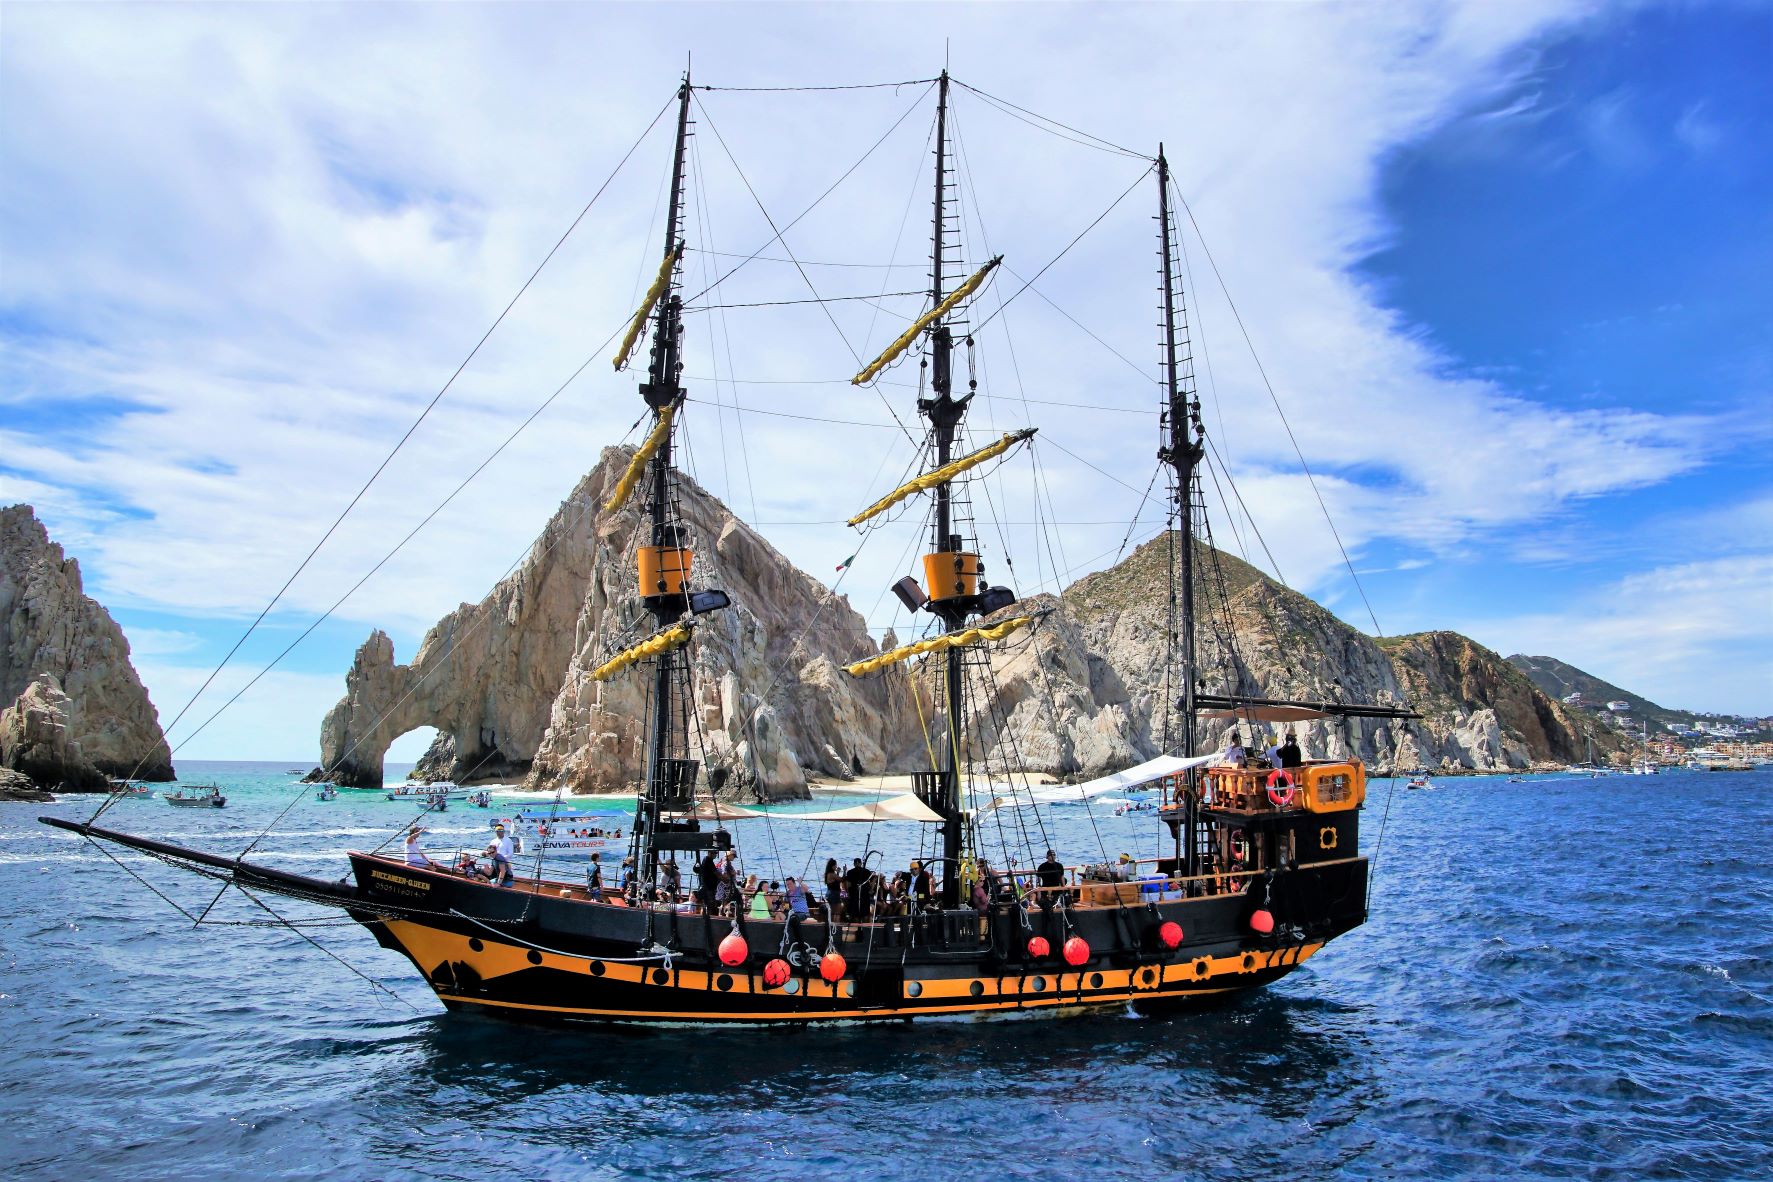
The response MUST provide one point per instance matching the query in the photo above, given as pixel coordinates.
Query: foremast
(664, 557)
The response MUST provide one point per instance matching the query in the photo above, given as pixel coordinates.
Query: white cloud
(282, 262)
(1695, 636)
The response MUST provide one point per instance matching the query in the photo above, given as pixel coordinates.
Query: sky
(1506, 269)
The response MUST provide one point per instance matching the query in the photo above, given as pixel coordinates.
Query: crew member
(1290, 755)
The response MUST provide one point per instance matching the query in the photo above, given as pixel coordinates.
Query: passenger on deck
(1234, 751)
(726, 891)
(414, 855)
(855, 882)
(757, 902)
(1052, 875)
(1126, 869)
(625, 876)
(707, 877)
(833, 888)
(1273, 755)
(670, 881)
(795, 908)
(1290, 755)
(923, 887)
(594, 877)
(502, 852)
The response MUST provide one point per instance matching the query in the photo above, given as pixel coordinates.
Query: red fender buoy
(831, 967)
(775, 972)
(1077, 950)
(1262, 921)
(1170, 934)
(1038, 947)
(734, 950)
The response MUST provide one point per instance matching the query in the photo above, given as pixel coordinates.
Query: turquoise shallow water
(1561, 978)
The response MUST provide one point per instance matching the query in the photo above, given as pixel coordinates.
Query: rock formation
(86, 707)
(36, 739)
(1087, 690)
(16, 786)
(507, 681)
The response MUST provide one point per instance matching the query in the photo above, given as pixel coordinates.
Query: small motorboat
(197, 796)
(480, 800)
(1419, 782)
(326, 792)
(133, 791)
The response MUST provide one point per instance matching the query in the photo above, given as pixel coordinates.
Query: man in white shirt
(1234, 751)
(502, 852)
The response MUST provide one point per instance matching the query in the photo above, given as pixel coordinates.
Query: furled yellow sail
(673, 637)
(943, 474)
(937, 644)
(625, 486)
(928, 318)
(646, 306)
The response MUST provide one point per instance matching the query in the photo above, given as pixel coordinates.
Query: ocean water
(1561, 978)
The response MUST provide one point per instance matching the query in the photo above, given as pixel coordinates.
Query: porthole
(977, 988)
(1095, 980)
(1037, 984)
(1201, 968)
(475, 944)
(1249, 962)
(791, 988)
(661, 976)
(723, 982)
(597, 969)
(1147, 976)
(914, 989)
(535, 957)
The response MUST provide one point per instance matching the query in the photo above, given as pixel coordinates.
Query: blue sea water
(1561, 978)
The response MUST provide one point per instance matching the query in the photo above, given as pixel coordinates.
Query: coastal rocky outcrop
(1085, 690)
(1090, 690)
(507, 681)
(72, 709)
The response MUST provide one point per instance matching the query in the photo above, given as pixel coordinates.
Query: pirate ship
(1262, 866)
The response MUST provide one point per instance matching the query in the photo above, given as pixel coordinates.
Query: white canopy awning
(1265, 714)
(1144, 773)
(904, 807)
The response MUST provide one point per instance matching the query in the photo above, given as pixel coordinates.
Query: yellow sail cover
(928, 318)
(943, 474)
(673, 637)
(646, 306)
(625, 486)
(937, 644)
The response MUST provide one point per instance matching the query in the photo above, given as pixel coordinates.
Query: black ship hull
(528, 953)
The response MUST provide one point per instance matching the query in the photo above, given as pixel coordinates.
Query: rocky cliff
(506, 681)
(1086, 690)
(74, 709)
(1091, 692)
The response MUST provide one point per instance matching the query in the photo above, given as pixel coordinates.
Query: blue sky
(1507, 266)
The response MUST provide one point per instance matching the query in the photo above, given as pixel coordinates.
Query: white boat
(326, 792)
(444, 790)
(197, 796)
(565, 832)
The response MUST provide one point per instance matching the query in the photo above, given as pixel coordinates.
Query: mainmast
(1183, 446)
(948, 568)
(665, 561)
